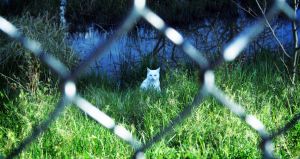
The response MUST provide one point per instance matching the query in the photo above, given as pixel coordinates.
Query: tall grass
(211, 132)
(19, 68)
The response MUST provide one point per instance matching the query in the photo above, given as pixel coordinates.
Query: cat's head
(153, 74)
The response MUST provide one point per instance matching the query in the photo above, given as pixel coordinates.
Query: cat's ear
(158, 69)
(148, 70)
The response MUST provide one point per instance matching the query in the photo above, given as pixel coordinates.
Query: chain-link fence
(208, 88)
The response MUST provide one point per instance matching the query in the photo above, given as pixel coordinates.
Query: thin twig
(244, 9)
(272, 30)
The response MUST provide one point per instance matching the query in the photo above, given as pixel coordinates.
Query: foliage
(19, 68)
(211, 132)
(107, 13)
(35, 7)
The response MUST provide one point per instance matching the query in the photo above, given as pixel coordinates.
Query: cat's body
(152, 80)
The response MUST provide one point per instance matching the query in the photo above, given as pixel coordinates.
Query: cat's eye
(154, 75)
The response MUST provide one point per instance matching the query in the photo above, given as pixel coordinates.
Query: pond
(146, 44)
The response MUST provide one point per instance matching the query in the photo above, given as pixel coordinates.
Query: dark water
(208, 38)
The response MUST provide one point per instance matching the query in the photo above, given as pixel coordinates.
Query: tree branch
(272, 30)
(244, 9)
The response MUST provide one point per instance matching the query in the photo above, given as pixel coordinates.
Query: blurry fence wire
(140, 10)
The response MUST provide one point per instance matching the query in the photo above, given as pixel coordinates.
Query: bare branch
(253, 14)
(272, 30)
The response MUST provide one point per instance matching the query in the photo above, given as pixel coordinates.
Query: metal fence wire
(208, 88)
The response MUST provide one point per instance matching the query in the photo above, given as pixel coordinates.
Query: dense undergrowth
(211, 132)
(19, 68)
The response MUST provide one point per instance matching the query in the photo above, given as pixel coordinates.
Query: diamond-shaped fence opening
(208, 88)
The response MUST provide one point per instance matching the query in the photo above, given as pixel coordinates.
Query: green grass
(19, 68)
(211, 132)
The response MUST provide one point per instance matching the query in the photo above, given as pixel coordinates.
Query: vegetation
(29, 92)
(81, 13)
(211, 132)
(19, 68)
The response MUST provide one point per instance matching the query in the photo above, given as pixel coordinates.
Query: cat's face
(153, 75)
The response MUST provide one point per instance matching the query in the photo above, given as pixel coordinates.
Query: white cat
(152, 80)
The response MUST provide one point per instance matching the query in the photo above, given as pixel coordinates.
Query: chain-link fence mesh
(208, 88)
